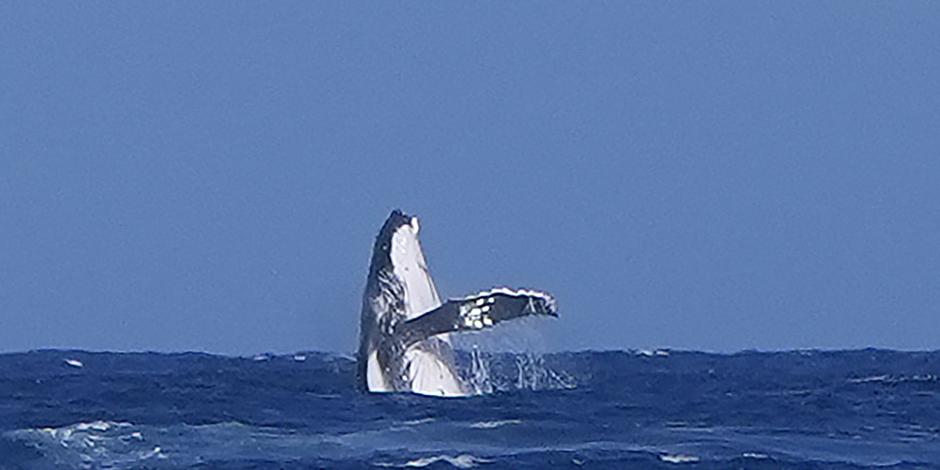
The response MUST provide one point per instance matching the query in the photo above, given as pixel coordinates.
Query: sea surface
(629, 409)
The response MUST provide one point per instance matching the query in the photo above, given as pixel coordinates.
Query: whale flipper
(476, 312)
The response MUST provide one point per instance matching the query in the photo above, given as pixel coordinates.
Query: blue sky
(719, 176)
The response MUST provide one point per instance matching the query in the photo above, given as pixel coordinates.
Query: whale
(405, 329)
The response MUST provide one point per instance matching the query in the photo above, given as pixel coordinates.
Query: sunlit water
(640, 409)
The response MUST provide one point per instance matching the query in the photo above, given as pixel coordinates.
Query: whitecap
(652, 352)
(678, 458)
(74, 363)
(156, 452)
(874, 378)
(65, 432)
(494, 424)
(107, 444)
(459, 461)
(415, 422)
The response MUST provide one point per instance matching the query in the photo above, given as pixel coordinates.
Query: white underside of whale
(427, 372)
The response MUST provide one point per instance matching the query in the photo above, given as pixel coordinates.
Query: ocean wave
(122, 411)
(114, 444)
(892, 380)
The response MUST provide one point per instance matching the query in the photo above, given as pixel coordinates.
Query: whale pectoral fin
(476, 312)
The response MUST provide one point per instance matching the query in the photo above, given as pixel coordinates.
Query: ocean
(619, 409)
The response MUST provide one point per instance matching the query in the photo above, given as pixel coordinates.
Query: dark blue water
(804, 409)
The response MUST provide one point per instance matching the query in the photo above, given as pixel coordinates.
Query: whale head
(397, 253)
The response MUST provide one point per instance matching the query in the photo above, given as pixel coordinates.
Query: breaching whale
(404, 343)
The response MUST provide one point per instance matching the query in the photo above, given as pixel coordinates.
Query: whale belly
(375, 379)
(430, 375)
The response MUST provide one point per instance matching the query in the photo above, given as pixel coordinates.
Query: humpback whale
(404, 329)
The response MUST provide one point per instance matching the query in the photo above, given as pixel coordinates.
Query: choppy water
(660, 409)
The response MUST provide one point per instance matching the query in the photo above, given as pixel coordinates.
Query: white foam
(875, 378)
(652, 352)
(65, 433)
(459, 461)
(300, 357)
(678, 458)
(101, 425)
(495, 424)
(415, 422)
(156, 452)
(74, 363)
(754, 455)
